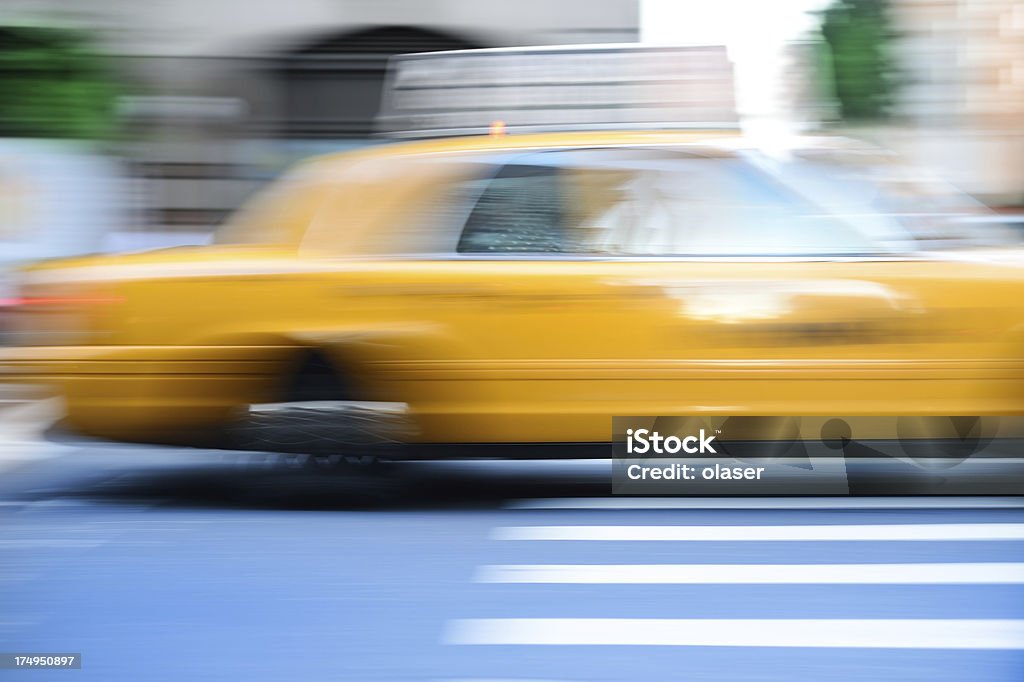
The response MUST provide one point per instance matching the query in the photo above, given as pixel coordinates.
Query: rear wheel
(320, 415)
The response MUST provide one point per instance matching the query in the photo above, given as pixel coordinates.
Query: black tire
(320, 416)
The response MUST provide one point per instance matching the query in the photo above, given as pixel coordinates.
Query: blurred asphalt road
(160, 564)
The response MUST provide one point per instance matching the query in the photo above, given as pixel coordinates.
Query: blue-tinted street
(172, 565)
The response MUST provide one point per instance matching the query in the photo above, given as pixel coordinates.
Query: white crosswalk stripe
(816, 503)
(777, 574)
(874, 532)
(817, 632)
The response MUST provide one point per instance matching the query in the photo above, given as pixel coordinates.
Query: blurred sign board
(465, 92)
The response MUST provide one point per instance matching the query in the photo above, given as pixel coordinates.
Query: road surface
(162, 564)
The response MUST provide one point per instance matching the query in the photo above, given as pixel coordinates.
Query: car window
(648, 203)
(893, 203)
(520, 209)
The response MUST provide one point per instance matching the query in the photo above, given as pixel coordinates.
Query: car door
(563, 287)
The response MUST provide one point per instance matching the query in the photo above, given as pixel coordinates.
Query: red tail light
(27, 301)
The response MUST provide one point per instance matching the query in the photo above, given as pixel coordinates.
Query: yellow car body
(509, 347)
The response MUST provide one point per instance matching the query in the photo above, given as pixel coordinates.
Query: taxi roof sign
(576, 87)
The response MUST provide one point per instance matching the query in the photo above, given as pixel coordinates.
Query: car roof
(724, 141)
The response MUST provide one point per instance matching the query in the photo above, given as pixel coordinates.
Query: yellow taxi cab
(525, 288)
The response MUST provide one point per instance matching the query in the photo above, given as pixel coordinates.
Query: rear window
(279, 214)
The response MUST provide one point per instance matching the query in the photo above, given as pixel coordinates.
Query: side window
(519, 210)
(634, 202)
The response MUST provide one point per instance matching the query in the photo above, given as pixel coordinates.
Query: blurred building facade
(960, 101)
(221, 94)
(962, 62)
(963, 65)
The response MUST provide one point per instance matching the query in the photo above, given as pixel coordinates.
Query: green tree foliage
(53, 85)
(859, 39)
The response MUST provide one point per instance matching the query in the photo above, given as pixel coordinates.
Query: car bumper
(148, 393)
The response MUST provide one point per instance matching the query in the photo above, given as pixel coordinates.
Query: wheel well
(315, 376)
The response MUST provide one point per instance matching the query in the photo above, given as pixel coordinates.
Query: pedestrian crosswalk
(956, 598)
